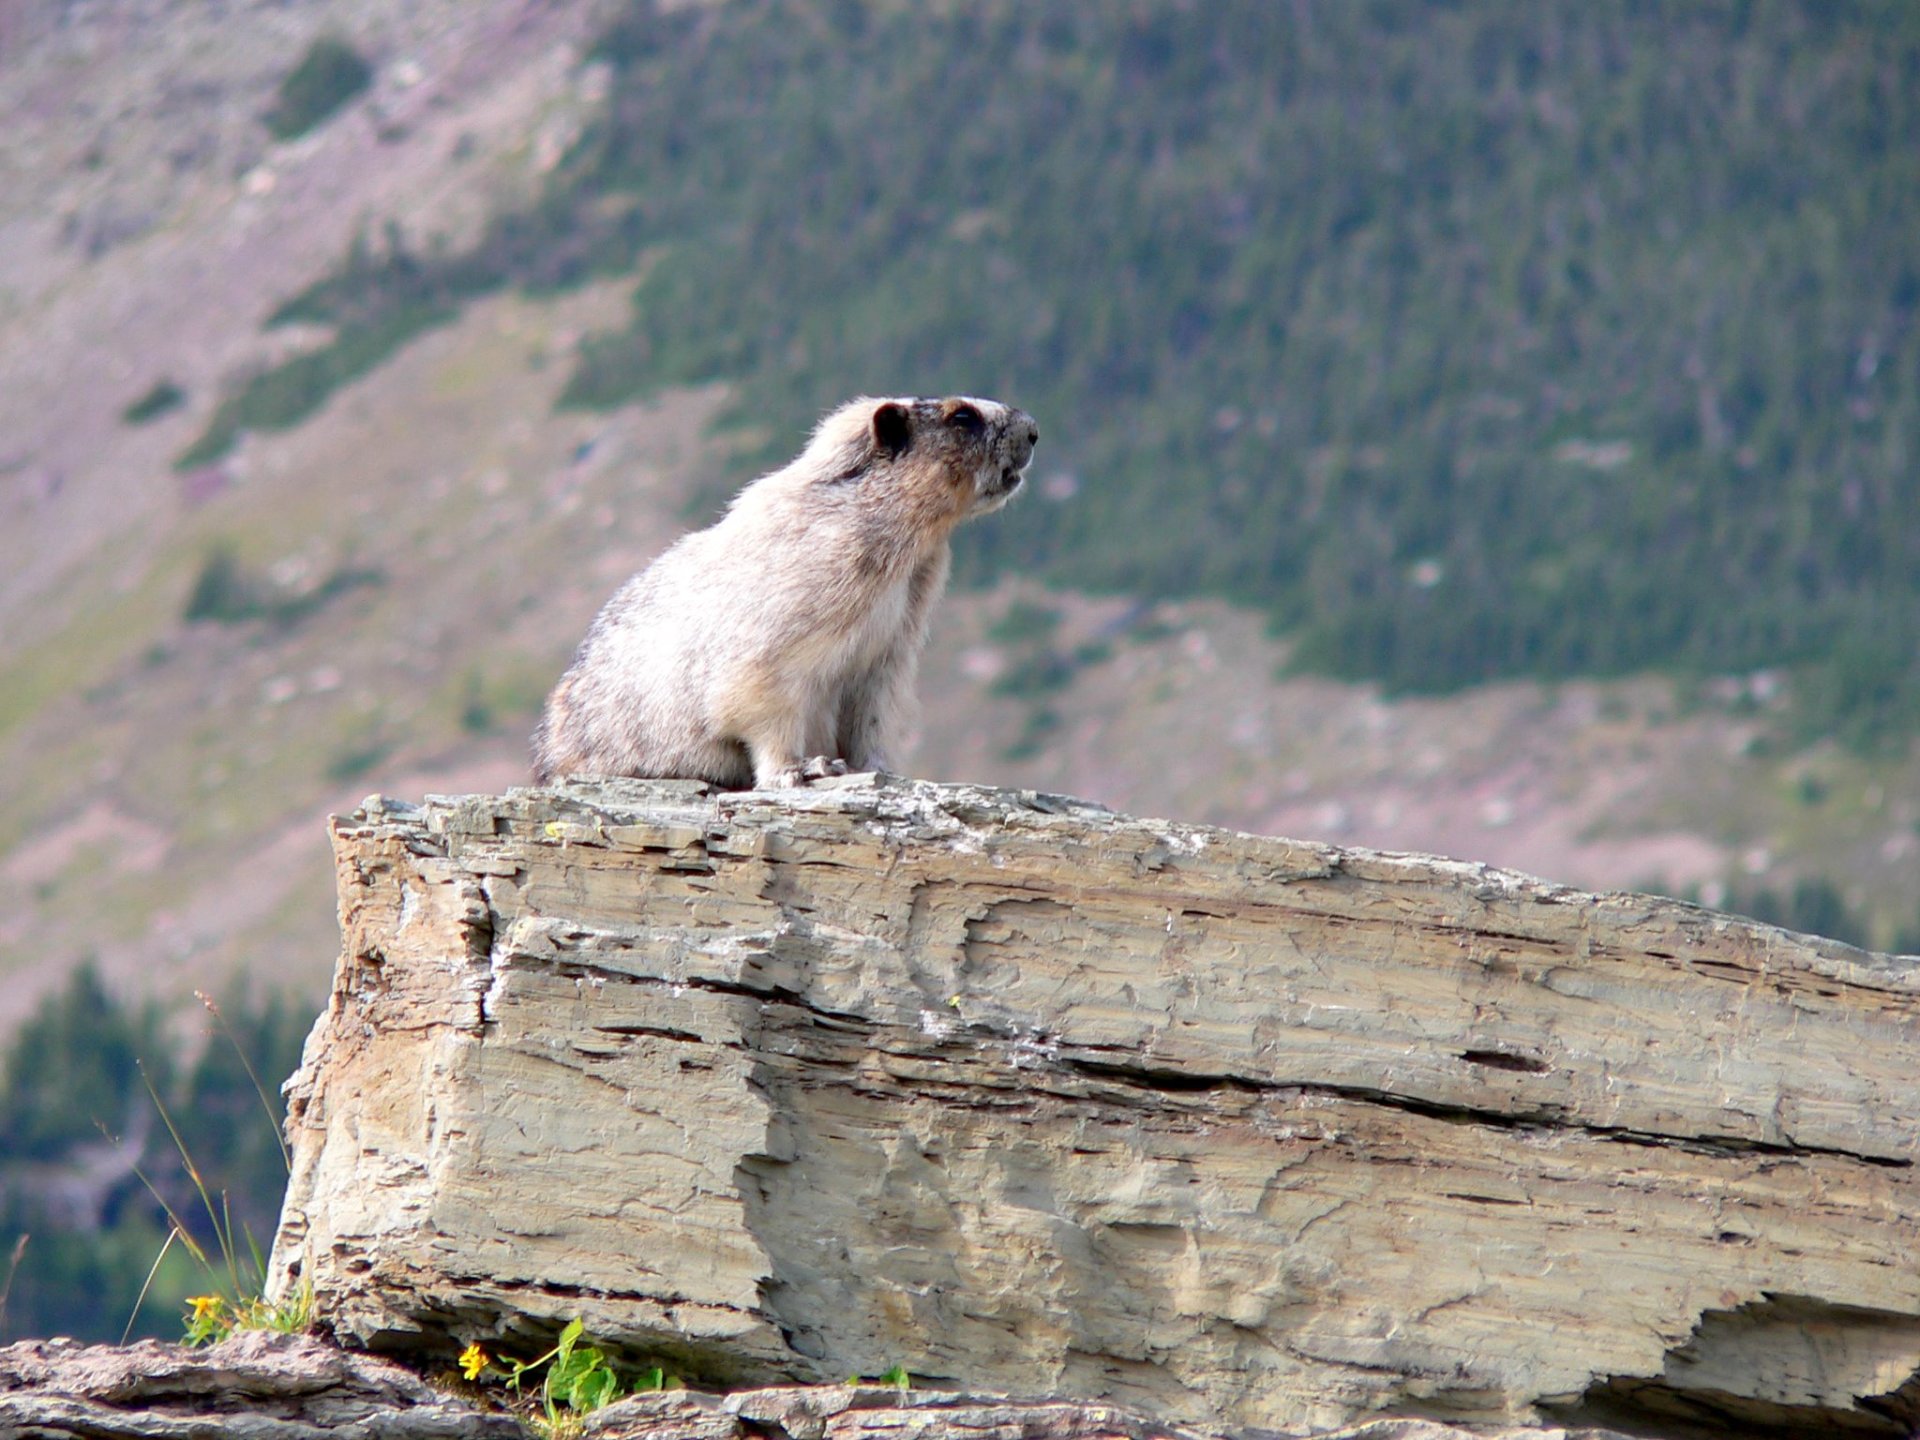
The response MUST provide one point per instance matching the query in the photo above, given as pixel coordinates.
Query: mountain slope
(1467, 341)
(195, 665)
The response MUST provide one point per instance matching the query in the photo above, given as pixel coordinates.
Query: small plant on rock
(578, 1380)
(213, 1318)
(896, 1376)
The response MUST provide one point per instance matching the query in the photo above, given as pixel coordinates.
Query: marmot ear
(892, 429)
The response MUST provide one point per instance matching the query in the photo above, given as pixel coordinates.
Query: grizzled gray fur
(780, 644)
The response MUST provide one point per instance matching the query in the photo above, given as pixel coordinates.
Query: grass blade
(152, 1270)
(266, 1105)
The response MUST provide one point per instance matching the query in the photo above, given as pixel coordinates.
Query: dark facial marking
(967, 420)
(892, 429)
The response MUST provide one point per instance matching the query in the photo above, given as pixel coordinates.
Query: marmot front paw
(792, 777)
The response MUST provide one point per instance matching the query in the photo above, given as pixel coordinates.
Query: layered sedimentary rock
(254, 1387)
(1024, 1096)
(860, 1412)
(286, 1387)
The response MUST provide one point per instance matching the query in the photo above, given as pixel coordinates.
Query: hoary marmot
(780, 644)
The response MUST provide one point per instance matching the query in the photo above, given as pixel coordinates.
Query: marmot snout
(780, 644)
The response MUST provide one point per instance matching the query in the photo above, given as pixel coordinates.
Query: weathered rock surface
(284, 1387)
(858, 1412)
(257, 1386)
(1239, 1132)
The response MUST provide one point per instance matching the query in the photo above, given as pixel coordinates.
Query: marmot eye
(967, 420)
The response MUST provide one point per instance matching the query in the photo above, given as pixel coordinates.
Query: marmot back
(780, 644)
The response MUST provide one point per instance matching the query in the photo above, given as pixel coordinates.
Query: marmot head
(977, 448)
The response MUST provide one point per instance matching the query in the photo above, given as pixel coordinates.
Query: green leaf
(594, 1388)
(569, 1368)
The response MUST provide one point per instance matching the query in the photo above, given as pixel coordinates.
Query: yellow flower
(473, 1360)
(205, 1306)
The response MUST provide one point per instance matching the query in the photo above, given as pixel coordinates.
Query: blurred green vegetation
(226, 592)
(330, 74)
(1814, 905)
(398, 303)
(1468, 341)
(163, 398)
(363, 745)
(82, 1127)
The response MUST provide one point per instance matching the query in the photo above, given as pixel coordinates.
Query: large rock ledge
(1238, 1132)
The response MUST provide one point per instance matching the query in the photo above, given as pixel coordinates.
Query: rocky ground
(285, 1387)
